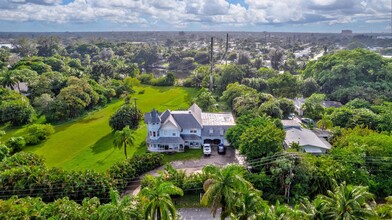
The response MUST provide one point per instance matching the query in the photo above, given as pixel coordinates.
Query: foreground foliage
(26, 175)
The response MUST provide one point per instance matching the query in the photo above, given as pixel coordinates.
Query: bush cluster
(128, 170)
(24, 174)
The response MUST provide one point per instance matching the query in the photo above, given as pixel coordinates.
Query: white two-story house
(173, 131)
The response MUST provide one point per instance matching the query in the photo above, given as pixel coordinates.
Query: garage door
(212, 141)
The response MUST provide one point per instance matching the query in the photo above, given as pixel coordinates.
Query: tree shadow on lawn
(103, 144)
(102, 161)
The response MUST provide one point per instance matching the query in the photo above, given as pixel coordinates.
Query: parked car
(221, 149)
(291, 116)
(207, 149)
(307, 121)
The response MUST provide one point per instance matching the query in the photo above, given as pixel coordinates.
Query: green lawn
(187, 201)
(87, 143)
(187, 155)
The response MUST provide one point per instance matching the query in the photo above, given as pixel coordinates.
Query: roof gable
(196, 112)
(170, 121)
(165, 115)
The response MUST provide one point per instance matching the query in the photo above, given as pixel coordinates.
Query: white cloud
(180, 13)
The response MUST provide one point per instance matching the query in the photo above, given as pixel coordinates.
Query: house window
(193, 131)
(150, 133)
(211, 131)
(222, 132)
(174, 134)
(153, 134)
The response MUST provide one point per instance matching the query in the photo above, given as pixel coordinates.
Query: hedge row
(124, 172)
(24, 175)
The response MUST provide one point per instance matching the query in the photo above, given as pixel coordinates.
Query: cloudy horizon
(195, 15)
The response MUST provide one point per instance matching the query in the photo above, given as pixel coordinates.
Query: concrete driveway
(216, 159)
(191, 166)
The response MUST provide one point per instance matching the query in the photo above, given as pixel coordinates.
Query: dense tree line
(24, 174)
(346, 75)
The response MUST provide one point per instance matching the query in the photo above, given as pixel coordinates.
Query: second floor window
(193, 131)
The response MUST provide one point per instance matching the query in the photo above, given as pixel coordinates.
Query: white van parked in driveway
(207, 149)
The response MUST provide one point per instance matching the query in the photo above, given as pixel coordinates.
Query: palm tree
(384, 211)
(324, 123)
(7, 79)
(123, 138)
(348, 202)
(315, 209)
(222, 188)
(159, 204)
(249, 206)
(275, 212)
(118, 208)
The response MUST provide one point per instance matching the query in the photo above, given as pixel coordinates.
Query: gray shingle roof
(191, 137)
(186, 119)
(171, 120)
(196, 111)
(303, 136)
(166, 140)
(165, 115)
(152, 117)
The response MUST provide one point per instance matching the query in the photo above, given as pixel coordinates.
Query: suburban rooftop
(217, 119)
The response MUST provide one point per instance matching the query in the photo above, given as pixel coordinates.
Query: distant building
(299, 102)
(347, 32)
(173, 131)
(386, 37)
(307, 139)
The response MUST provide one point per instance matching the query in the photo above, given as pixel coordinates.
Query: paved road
(197, 214)
(191, 166)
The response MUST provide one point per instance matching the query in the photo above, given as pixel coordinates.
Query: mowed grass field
(87, 143)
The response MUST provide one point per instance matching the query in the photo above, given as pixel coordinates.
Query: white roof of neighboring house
(303, 136)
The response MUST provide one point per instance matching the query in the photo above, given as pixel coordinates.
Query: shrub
(22, 159)
(14, 108)
(145, 78)
(127, 115)
(126, 171)
(52, 184)
(4, 151)
(16, 144)
(37, 133)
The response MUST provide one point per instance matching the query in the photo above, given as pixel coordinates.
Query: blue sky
(196, 15)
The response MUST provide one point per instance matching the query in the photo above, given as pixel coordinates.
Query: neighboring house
(20, 87)
(307, 139)
(299, 102)
(173, 131)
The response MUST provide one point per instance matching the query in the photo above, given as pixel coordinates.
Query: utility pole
(134, 99)
(227, 46)
(212, 64)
